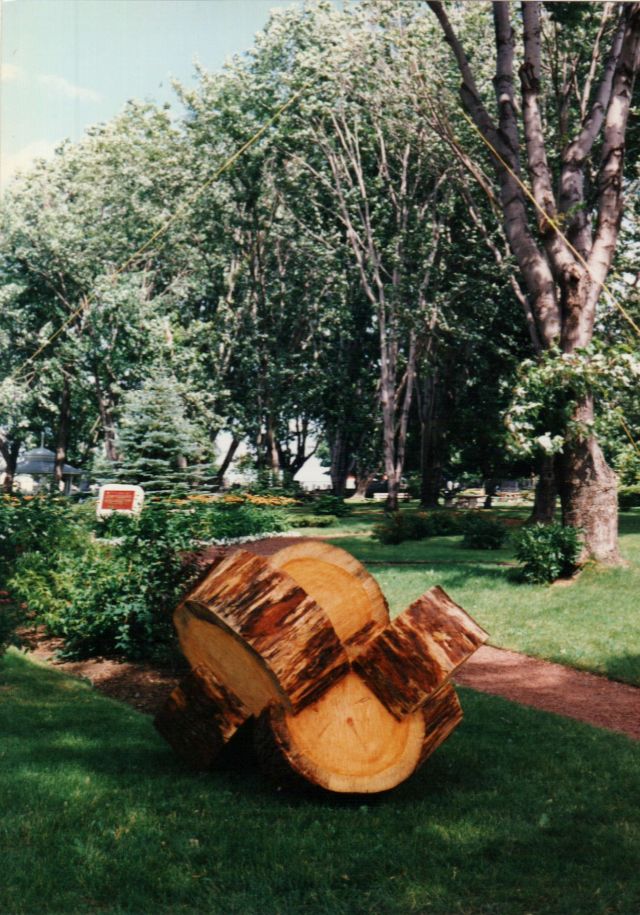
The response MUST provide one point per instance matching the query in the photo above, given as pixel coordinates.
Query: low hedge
(628, 497)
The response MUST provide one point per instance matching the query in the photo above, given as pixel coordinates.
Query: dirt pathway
(554, 688)
(540, 684)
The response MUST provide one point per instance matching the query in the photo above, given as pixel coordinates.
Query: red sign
(118, 499)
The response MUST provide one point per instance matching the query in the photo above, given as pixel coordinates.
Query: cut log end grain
(208, 646)
(348, 742)
(284, 640)
(347, 593)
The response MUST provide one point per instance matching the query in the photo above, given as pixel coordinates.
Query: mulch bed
(517, 677)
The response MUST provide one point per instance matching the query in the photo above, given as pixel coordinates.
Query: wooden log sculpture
(301, 641)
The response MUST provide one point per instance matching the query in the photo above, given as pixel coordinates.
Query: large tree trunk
(430, 440)
(10, 454)
(363, 479)
(64, 429)
(544, 505)
(564, 281)
(589, 495)
(107, 422)
(341, 463)
(273, 457)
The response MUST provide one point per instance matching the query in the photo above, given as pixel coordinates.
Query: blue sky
(67, 64)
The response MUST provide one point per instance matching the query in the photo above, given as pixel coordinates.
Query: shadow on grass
(625, 668)
(517, 812)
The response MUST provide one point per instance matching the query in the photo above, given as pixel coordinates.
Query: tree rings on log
(347, 742)
(301, 641)
(347, 593)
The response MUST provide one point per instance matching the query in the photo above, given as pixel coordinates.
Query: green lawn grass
(592, 624)
(518, 812)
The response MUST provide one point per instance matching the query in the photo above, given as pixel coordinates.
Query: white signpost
(120, 498)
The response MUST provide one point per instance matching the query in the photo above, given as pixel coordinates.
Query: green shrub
(206, 522)
(271, 483)
(312, 520)
(228, 521)
(547, 551)
(392, 529)
(41, 524)
(114, 595)
(417, 526)
(399, 526)
(628, 497)
(443, 523)
(327, 504)
(37, 528)
(481, 533)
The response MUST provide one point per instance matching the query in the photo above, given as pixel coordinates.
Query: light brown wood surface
(345, 590)
(348, 742)
(285, 641)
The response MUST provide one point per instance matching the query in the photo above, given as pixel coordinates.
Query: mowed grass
(591, 624)
(518, 812)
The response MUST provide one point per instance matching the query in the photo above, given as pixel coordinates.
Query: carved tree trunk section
(347, 593)
(281, 631)
(348, 742)
(544, 505)
(301, 641)
(414, 657)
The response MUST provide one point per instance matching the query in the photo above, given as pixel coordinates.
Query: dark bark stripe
(442, 714)
(412, 658)
(277, 619)
(199, 717)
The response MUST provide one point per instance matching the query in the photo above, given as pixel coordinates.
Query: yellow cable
(161, 231)
(552, 222)
(628, 431)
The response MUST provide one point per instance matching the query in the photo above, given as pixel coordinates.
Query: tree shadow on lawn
(453, 576)
(625, 668)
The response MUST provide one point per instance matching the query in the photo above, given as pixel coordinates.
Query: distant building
(37, 466)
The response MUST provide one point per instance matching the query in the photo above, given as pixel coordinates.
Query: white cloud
(62, 86)
(24, 158)
(9, 73)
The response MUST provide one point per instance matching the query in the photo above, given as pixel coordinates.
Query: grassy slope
(591, 624)
(519, 812)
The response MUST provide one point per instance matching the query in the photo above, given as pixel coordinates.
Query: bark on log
(415, 655)
(199, 717)
(260, 633)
